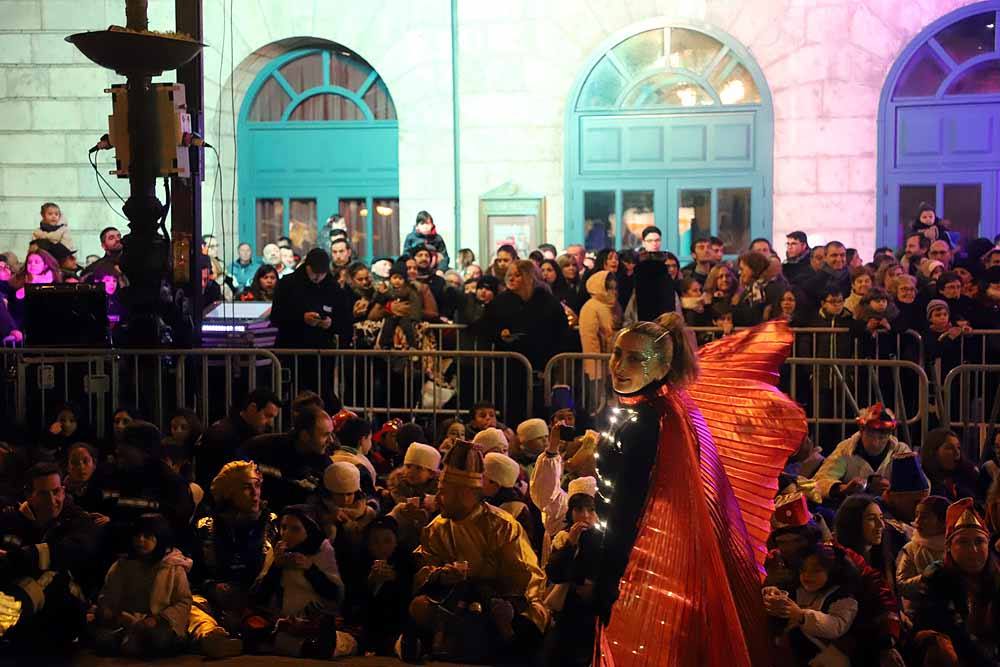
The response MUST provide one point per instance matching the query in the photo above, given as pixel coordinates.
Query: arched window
(940, 111)
(669, 125)
(319, 141)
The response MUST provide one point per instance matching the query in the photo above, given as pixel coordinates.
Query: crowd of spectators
(342, 536)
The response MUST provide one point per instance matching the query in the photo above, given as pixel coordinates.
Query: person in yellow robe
(480, 591)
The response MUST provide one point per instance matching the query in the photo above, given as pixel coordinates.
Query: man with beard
(41, 542)
(446, 297)
(224, 439)
(111, 243)
(292, 464)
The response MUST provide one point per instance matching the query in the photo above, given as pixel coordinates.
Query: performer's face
(635, 363)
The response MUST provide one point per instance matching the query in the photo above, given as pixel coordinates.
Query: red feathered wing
(754, 425)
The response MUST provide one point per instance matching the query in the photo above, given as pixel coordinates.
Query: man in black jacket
(446, 297)
(833, 272)
(224, 439)
(796, 267)
(310, 308)
(41, 542)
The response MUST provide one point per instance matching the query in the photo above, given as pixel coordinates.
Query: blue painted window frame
(889, 179)
(759, 178)
(370, 190)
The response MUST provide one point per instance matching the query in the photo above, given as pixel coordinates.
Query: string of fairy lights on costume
(618, 419)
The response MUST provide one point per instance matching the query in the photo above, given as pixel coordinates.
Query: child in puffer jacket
(425, 234)
(143, 608)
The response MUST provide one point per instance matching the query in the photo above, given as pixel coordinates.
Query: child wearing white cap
(412, 488)
(572, 568)
(500, 475)
(492, 440)
(532, 436)
(341, 509)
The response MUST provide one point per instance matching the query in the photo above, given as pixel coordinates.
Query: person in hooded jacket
(303, 588)
(600, 318)
(425, 234)
(144, 605)
(929, 224)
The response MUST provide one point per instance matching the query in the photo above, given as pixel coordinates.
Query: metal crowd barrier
(974, 409)
(831, 399)
(150, 382)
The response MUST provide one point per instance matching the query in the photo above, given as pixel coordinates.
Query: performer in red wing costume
(692, 465)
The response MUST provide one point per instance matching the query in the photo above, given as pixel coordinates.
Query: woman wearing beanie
(572, 568)
(303, 589)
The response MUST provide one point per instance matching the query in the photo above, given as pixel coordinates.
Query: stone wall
(824, 60)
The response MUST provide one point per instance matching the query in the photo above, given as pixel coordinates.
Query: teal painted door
(968, 200)
(318, 139)
(614, 212)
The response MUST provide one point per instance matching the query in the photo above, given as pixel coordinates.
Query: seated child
(303, 589)
(572, 568)
(412, 489)
(823, 608)
(500, 476)
(927, 546)
(144, 605)
(51, 227)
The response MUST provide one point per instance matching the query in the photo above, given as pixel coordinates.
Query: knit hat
(463, 465)
(934, 304)
(422, 455)
(877, 417)
(489, 282)
(907, 475)
(532, 429)
(501, 469)
(928, 267)
(790, 510)
(584, 485)
(491, 440)
(342, 477)
(391, 426)
(962, 515)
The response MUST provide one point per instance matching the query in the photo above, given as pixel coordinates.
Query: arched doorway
(318, 138)
(672, 125)
(939, 127)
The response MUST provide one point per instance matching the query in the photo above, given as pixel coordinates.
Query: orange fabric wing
(755, 426)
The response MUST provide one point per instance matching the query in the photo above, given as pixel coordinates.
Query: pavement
(91, 660)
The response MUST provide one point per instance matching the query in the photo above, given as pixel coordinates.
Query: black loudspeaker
(65, 315)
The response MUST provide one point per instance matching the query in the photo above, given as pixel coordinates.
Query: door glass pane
(982, 79)
(304, 73)
(515, 230)
(355, 214)
(599, 220)
(640, 51)
(694, 218)
(969, 37)
(666, 89)
(734, 219)
(738, 88)
(385, 228)
(302, 229)
(911, 198)
(270, 222)
(690, 49)
(963, 205)
(270, 102)
(922, 75)
(637, 214)
(327, 107)
(603, 87)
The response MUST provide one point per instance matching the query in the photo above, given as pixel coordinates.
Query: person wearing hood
(927, 223)
(875, 314)
(144, 605)
(303, 587)
(600, 319)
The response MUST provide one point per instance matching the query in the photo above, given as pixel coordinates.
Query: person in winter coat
(51, 227)
(412, 489)
(340, 508)
(303, 588)
(600, 319)
(925, 548)
(83, 481)
(927, 223)
(425, 234)
(859, 458)
(572, 569)
(398, 289)
(47, 542)
(822, 609)
(311, 308)
(144, 605)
